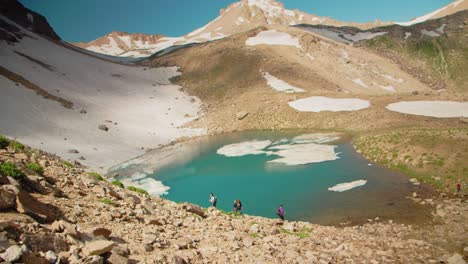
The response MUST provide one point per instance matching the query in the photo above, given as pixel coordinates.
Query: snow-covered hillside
(139, 106)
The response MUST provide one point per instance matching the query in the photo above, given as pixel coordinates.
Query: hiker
(213, 200)
(237, 206)
(458, 187)
(280, 212)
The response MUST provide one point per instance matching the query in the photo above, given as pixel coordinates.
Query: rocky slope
(432, 51)
(233, 80)
(55, 210)
(125, 44)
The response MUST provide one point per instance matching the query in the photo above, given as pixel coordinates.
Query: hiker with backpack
(280, 212)
(237, 206)
(213, 200)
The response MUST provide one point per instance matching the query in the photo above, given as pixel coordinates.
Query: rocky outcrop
(103, 128)
(15, 11)
(98, 247)
(8, 196)
(241, 115)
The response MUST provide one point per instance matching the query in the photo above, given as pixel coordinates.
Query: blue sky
(86, 20)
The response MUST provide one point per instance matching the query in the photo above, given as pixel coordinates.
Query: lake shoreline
(168, 154)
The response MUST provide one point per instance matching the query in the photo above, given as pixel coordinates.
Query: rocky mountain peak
(15, 11)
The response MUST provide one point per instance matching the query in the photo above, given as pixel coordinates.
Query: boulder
(456, 259)
(149, 238)
(62, 226)
(194, 209)
(74, 151)
(13, 253)
(26, 204)
(44, 163)
(98, 247)
(8, 196)
(38, 242)
(94, 260)
(179, 260)
(103, 127)
(241, 115)
(51, 256)
(121, 250)
(32, 258)
(117, 259)
(100, 231)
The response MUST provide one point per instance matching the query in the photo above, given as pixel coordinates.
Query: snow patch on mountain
(280, 85)
(273, 37)
(321, 103)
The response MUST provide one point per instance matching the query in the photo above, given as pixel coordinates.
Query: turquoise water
(303, 189)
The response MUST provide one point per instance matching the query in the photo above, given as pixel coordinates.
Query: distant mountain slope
(125, 44)
(236, 18)
(452, 8)
(434, 50)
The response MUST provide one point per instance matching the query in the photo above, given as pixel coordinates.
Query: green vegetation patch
(16, 145)
(4, 142)
(67, 164)
(106, 201)
(10, 169)
(35, 167)
(303, 233)
(434, 156)
(96, 176)
(254, 235)
(138, 190)
(118, 183)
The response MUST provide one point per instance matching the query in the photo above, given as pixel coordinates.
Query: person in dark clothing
(237, 206)
(280, 212)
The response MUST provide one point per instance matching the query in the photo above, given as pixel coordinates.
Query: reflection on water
(234, 169)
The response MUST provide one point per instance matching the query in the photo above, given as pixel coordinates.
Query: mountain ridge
(239, 17)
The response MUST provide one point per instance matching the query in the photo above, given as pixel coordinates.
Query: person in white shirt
(213, 200)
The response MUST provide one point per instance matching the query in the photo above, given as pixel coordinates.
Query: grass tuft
(106, 201)
(4, 142)
(118, 183)
(10, 169)
(138, 190)
(35, 167)
(96, 176)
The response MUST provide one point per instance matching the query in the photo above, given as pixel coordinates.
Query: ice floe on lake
(441, 109)
(244, 148)
(303, 149)
(301, 154)
(341, 187)
(321, 103)
(152, 186)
